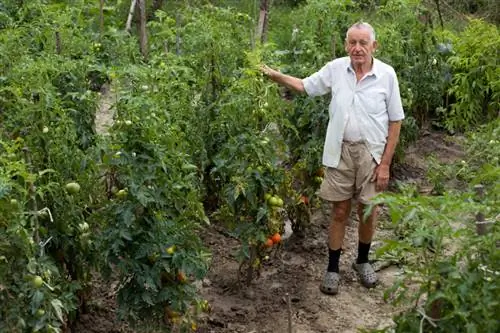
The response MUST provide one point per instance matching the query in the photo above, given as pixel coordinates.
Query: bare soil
(293, 272)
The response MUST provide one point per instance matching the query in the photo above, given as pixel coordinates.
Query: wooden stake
(101, 16)
(334, 46)
(481, 225)
(143, 37)
(128, 25)
(58, 43)
(263, 18)
(439, 14)
(178, 22)
(289, 310)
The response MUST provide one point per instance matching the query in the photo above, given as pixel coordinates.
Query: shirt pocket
(374, 101)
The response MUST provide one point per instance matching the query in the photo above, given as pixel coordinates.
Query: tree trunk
(143, 37)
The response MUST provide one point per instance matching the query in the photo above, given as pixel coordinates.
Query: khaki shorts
(352, 176)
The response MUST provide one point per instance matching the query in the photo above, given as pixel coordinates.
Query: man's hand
(283, 79)
(268, 71)
(381, 176)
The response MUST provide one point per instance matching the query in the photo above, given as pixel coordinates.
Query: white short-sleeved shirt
(371, 103)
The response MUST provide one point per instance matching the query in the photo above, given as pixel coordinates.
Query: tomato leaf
(57, 305)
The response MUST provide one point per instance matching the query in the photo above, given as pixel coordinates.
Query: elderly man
(365, 120)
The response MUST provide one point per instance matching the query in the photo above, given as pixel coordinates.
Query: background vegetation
(200, 137)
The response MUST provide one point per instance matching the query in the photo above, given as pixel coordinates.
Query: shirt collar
(374, 71)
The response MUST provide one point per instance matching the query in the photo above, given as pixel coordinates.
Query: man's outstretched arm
(283, 79)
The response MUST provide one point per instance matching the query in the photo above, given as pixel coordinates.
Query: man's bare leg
(341, 212)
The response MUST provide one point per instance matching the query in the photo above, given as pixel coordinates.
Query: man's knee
(341, 210)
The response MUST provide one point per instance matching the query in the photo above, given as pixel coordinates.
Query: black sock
(363, 250)
(333, 260)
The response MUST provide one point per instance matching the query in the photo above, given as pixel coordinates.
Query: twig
(426, 317)
(289, 304)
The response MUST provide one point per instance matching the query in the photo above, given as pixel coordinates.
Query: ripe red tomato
(269, 243)
(276, 238)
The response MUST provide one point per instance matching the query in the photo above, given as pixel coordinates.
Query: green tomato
(276, 201)
(83, 226)
(171, 250)
(318, 179)
(73, 187)
(37, 281)
(40, 313)
(267, 196)
(122, 194)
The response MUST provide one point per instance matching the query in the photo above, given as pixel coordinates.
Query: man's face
(359, 46)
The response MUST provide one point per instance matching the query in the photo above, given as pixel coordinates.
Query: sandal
(330, 284)
(366, 274)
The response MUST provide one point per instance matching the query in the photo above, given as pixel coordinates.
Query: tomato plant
(154, 208)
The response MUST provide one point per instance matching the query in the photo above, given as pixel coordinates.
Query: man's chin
(358, 62)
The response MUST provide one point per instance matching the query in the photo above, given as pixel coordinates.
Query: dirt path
(104, 117)
(297, 270)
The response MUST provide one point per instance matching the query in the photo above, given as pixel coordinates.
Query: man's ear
(345, 46)
(375, 45)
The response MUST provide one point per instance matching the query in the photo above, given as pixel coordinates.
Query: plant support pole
(263, 18)
(101, 16)
(481, 224)
(128, 25)
(289, 311)
(58, 43)
(143, 37)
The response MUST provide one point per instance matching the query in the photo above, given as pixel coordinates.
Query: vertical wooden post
(178, 23)
(128, 25)
(101, 16)
(481, 225)
(263, 21)
(58, 43)
(334, 46)
(143, 37)
(250, 269)
(439, 14)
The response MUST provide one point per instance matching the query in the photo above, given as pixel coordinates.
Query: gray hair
(365, 26)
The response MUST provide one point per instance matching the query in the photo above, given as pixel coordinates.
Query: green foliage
(476, 80)
(154, 196)
(451, 273)
(24, 257)
(480, 164)
(411, 49)
(199, 134)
